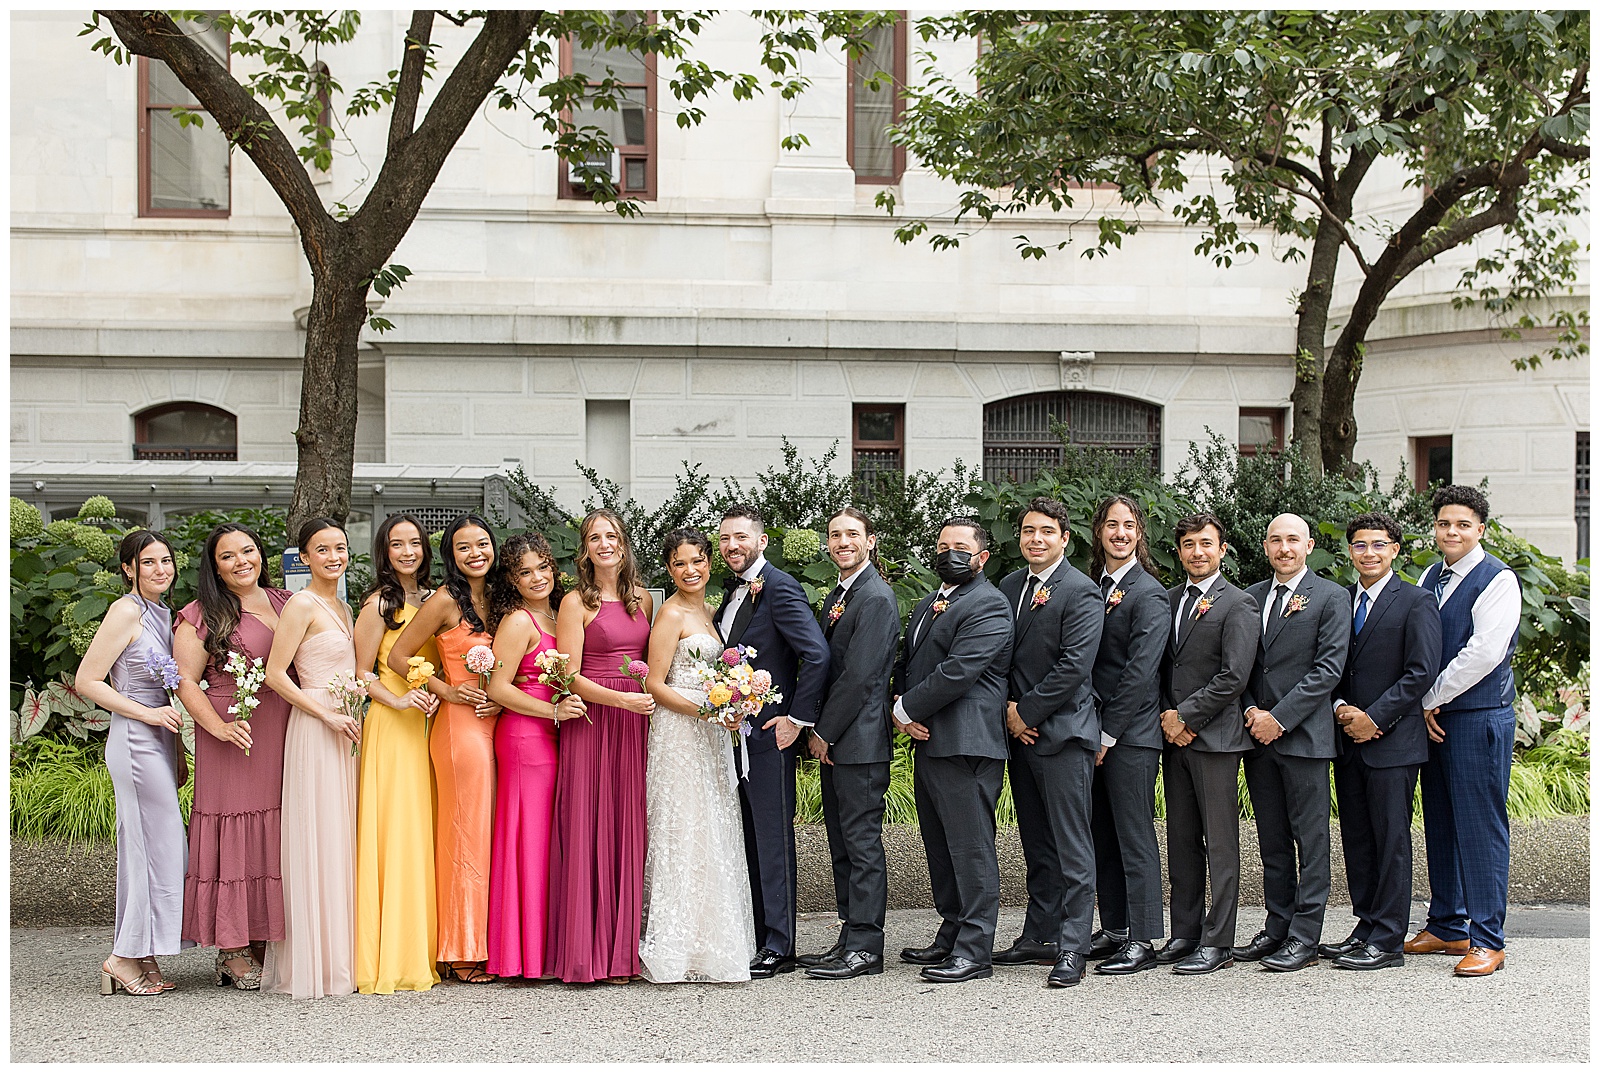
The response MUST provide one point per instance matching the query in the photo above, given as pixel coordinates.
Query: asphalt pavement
(1535, 1010)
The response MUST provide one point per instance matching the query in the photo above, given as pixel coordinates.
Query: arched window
(1018, 443)
(186, 431)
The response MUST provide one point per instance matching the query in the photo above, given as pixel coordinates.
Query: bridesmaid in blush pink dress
(523, 620)
(598, 840)
(318, 954)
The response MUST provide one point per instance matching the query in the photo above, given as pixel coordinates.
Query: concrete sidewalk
(1536, 1010)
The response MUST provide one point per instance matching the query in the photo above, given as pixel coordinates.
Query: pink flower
(638, 666)
(1114, 599)
(939, 605)
(480, 659)
(762, 680)
(1040, 598)
(731, 657)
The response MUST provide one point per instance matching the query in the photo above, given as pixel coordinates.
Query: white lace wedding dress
(698, 924)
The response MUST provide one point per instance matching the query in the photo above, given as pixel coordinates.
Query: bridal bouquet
(735, 691)
(247, 679)
(350, 695)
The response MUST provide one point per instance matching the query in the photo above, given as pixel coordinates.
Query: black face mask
(955, 567)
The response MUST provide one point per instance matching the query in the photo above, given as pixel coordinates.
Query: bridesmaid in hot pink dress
(598, 840)
(522, 618)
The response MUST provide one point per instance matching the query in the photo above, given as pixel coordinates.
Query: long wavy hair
(220, 609)
(1141, 547)
(866, 525)
(456, 583)
(503, 595)
(132, 547)
(628, 578)
(385, 581)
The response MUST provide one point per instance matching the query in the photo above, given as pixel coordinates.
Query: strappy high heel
(166, 984)
(221, 975)
(110, 983)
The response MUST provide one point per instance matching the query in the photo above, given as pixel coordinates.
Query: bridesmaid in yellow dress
(397, 922)
(461, 744)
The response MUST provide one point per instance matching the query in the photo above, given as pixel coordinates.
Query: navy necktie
(1361, 611)
(1441, 582)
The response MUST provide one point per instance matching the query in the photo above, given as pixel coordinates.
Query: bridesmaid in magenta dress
(597, 842)
(522, 618)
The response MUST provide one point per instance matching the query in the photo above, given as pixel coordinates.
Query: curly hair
(1141, 547)
(503, 595)
(1462, 495)
(848, 511)
(455, 582)
(628, 579)
(385, 582)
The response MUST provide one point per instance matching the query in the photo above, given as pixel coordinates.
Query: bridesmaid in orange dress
(461, 743)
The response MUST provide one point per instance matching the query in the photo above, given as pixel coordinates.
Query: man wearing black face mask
(951, 681)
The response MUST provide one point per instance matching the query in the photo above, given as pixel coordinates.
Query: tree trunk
(326, 437)
(1311, 330)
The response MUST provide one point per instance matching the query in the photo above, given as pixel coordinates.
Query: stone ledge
(58, 884)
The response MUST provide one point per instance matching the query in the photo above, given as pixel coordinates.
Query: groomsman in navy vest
(1382, 741)
(1288, 708)
(1471, 726)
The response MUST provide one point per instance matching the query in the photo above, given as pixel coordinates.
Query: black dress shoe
(1027, 951)
(1106, 942)
(1262, 945)
(766, 964)
(1204, 960)
(1339, 950)
(833, 953)
(1068, 971)
(1369, 957)
(848, 965)
(1176, 950)
(1136, 955)
(955, 971)
(1291, 956)
(925, 955)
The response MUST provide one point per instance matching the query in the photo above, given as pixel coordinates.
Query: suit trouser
(1202, 791)
(1289, 795)
(1053, 797)
(766, 799)
(956, 798)
(852, 812)
(1126, 854)
(1375, 829)
(1465, 827)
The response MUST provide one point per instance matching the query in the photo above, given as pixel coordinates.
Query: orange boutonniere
(756, 586)
(940, 604)
(1114, 599)
(1040, 597)
(836, 612)
(1297, 602)
(1202, 606)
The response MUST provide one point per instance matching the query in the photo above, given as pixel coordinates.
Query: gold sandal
(158, 978)
(110, 983)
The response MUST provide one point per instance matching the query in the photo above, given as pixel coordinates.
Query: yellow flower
(719, 695)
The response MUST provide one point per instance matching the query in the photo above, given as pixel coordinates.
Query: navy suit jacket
(778, 624)
(1392, 662)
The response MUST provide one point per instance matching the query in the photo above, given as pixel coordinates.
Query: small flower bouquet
(349, 693)
(555, 671)
(480, 661)
(247, 678)
(166, 669)
(418, 671)
(735, 692)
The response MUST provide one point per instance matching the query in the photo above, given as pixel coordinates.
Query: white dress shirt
(1496, 613)
(1041, 573)
(1116, 577)
(900, 715)
(1204, 585)
(1269, 607)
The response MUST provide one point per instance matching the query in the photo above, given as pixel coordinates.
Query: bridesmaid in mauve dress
(523, 621)
(397, 922)
(317, 956)
(461, 744)
(597, 843)
(142, 755)
(233, 890)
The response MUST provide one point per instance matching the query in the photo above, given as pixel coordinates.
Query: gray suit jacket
(1299, 660)
(1052, 657)
(1204, 673)
(952, 679)
(856, 703)
(1127, 667)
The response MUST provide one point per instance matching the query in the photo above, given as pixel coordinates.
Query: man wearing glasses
(1394, 658)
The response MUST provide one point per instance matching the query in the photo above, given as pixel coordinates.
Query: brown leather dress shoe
(1481, 961)
(1425, 943)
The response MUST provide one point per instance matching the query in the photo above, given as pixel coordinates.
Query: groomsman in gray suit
(1288, 708)
(1055, 731)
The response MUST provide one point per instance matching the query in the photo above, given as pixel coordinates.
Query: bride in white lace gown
(698, 923)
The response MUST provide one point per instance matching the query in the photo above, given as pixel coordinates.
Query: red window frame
(1249, 450)
(146, 106)
(569, 191)
(144, 449)
(1420, 446)
(898, 72)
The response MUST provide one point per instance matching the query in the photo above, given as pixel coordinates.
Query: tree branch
(412, 68)
(239, 116)
(1502, 213)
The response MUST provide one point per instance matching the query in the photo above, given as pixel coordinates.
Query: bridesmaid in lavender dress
(318, 954)
(142, 754)
(597, 842)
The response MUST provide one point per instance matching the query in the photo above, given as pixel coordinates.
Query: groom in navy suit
(766, 609)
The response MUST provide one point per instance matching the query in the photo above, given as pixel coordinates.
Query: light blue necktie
(1361, 612)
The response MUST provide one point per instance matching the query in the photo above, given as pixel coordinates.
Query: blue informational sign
(297, 575)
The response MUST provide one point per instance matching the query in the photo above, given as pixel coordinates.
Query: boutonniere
(756, 585)
(1114, 599)
(836, 612)
(940, 604)
(1203, 605)
(1297, 602)
(1040, 597)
